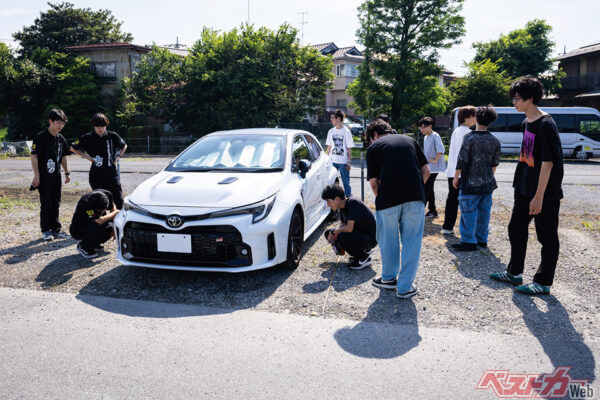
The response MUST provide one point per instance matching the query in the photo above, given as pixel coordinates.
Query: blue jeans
(345, 178)
(474, 217)
(410, 217)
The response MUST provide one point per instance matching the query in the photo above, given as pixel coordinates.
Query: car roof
(551, 110)
(259, 131)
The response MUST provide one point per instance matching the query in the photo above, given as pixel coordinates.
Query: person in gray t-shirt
(434, 151)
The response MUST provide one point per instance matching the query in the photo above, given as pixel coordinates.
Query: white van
(578, 127)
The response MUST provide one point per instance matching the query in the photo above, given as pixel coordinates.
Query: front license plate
(171, 243)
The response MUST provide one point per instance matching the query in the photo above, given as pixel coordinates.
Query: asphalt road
(61, 346)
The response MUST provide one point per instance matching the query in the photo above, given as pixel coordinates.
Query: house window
(340, 103)
(352, 70)
(339, 70)
(106, 71)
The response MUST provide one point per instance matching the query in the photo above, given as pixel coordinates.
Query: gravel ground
(455, 290)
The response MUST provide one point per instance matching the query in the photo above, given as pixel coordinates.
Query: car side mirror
(303, 167)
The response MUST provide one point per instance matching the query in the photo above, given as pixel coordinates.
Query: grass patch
(3, 133)
(7, 203)
(592, 225)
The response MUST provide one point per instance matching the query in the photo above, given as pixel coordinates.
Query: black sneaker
(361, 263)
(380, 282)
(413, 290)
(86, 253)
(58, 234)
(431, 214)
(462, 246)
(47, 235)
(352, 259)
(482, 245)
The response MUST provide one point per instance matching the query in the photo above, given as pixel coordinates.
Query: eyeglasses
(516, 99)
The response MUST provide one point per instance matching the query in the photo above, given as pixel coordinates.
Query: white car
(233, 201)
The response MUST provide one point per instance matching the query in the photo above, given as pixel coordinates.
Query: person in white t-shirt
(339, 142)
(466, 119)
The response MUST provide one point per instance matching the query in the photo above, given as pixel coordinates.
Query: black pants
(50, 203)
(451, 210)
(546, 227)
(429, 193)
(356, 244)
(112, 184)
(93, 235)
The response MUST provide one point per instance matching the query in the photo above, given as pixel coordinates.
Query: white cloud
(12, 12)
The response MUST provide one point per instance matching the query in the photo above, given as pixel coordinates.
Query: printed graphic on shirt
(51, 166)
(338, 145)
(98, 161)
(526, 155)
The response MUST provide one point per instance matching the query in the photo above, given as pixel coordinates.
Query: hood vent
(175, 179)
(229, 180)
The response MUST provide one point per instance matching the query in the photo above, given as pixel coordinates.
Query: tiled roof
(94, 46)
(321, 46)
(582, 50)
(340, 53)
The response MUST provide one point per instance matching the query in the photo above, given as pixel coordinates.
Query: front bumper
(229, 244)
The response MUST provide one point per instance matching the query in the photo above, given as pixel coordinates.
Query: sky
(576, 23)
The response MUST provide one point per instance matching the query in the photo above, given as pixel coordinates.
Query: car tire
(295, 242)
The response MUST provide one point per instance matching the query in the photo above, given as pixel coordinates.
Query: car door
(310, 183)
(319, 162)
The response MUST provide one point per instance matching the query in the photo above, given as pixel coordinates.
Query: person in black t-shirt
(92, 222)
(357, 230)
(47, 155)
(397, 170)
(537, 184)
(103, 149)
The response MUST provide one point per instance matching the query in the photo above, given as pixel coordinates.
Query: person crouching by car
(356, 233)
(92, 222)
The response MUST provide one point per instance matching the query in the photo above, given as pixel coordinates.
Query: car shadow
(27, 250)
(60, 270)
(553, 328)
(371, 339)
(343, 280)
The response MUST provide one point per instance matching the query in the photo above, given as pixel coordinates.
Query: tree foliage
(44, 81)
(402, 39)
(63, 25)
(484, 83)
(242, 78)
(526, 51)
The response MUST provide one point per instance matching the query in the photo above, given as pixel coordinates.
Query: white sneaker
(447, 232)
(47, 235)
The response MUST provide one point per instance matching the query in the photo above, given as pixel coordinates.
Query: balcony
(584, 82)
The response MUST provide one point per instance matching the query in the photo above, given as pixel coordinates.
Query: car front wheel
(295, 241)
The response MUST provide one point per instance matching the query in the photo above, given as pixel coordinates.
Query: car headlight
(259, 211)
(128, 205)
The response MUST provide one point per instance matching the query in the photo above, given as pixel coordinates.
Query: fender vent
(175, 179)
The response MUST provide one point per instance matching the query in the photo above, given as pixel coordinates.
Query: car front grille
(212, 246)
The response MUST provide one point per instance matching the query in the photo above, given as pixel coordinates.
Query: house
(581, 86)
(112, 62)
(345, 69)
(346, 61)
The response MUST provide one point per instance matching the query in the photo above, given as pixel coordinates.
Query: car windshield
(244, 153)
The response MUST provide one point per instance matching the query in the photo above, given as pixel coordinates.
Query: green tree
(156, 88)
(526, 51)
(483, 84)
(242, 78)
(50, 80)
(402, 39)
(63, 25)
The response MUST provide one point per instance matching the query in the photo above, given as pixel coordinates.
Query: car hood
(206, 189)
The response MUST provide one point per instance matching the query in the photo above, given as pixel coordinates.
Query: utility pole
(248, 21)
(303, 22)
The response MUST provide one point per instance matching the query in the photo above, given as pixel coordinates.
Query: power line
(303, 22)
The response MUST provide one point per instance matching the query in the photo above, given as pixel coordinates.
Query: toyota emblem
(174, 221)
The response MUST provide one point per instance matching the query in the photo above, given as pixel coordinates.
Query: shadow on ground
(384, 341)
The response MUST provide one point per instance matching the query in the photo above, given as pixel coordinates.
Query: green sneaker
(533, 288)
(508, 278)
